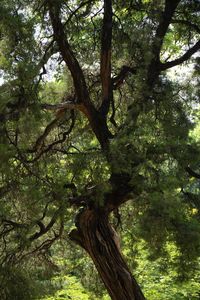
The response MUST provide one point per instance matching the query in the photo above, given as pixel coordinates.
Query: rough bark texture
(94, 233)
(99, 239)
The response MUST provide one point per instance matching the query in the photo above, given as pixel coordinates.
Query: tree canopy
(99, 128)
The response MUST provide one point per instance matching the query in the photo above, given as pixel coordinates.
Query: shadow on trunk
(95, 234)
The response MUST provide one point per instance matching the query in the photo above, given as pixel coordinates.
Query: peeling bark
(95, 234)
(106, 44)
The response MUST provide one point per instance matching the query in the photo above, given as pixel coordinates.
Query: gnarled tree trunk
(99, 239)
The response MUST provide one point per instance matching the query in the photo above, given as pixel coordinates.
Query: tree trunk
(99, 239)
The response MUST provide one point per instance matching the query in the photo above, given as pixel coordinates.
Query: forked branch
(165, 20)
(97, 122)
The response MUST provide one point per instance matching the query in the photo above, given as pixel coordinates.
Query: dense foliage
(99, 109)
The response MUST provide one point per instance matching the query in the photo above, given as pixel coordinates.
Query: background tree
(115, 127)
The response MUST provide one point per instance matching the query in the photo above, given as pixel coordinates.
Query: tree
(116, 127)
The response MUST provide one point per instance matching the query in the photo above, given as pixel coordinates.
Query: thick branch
(181, 59)
(165, 20)
(106, 43)
(192, 173)
(166, 17)
(97, 122)
(67, 53)
(120, 193)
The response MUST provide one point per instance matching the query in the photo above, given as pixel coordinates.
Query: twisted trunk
(99, 239)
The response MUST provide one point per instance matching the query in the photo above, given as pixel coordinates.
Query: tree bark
(95, 234)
